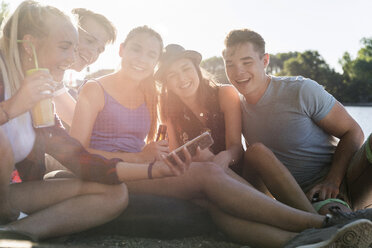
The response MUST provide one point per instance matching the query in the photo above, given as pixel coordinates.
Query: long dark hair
(171, 106)
(148, 85)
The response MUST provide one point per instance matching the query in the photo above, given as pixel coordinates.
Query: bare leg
(245, 202)
(59, 207)
(254, 178)
(6, 167)
(241, 230)
(361, 191)
(359, 179)
(181, 187)
(276, 177)
(231, 196)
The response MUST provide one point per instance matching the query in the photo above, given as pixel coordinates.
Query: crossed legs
(55, 207)
(236, 207)
(60, 207)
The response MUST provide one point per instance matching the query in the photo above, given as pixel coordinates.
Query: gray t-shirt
(284, 120)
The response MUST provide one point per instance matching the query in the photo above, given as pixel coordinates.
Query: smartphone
(204, 140)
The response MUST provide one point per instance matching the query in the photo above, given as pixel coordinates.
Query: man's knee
(255, 154)
(255, 150)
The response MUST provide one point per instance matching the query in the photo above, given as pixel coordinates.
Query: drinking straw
(33, 51)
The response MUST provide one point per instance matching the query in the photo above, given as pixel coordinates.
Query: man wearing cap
(300, 122)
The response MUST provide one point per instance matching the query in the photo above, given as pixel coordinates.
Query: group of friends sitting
(305, 171)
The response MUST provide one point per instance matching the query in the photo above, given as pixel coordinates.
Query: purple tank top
(118, 128)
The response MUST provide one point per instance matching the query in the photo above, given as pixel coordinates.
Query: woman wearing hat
(240, 210)
(192, 103)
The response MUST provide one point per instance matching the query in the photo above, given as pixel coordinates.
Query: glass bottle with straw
(43, 112)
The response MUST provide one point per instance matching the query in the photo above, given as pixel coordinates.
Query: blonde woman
(62, 206)
(53, 207)
(95, 33)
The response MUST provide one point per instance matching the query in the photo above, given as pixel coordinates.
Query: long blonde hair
(29, 18)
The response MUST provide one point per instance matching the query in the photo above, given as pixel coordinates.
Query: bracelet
(149, 169)
(4, 113)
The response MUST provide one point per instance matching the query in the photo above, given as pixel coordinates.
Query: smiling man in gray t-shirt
(289, 106)
(300, 122)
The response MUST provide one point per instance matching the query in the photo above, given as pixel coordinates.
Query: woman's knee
(117, 197)
(114, 197)
(205, 172)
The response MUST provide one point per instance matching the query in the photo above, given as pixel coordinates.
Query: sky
(331, 27)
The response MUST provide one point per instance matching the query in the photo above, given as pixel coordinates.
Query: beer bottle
(162, 132)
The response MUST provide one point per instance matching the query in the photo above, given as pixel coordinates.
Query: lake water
(363, 115)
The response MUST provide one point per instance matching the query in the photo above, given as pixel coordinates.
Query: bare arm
(93, 167)
(83, 122)
(134, 171)
(173, 144)
(341, 125)
(151, 151)
(34, 88)
(230, 106)
(65, 106)
(89, 104)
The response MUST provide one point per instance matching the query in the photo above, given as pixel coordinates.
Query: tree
(276, 64)
(4, 10)
(308, 64)
(216, 67)
(352, 86)
(311, 64)
(357, 74)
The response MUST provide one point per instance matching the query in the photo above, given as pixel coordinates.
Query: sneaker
(356, 234)
(337, 217)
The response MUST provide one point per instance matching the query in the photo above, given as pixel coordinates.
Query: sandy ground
(107, 241)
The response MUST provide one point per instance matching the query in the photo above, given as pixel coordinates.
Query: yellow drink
(43, 112)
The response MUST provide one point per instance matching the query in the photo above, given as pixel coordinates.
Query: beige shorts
(344, 189)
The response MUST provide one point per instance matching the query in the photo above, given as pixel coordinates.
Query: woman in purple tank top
(117, 112)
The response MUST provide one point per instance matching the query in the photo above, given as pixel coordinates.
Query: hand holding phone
(203, 141)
